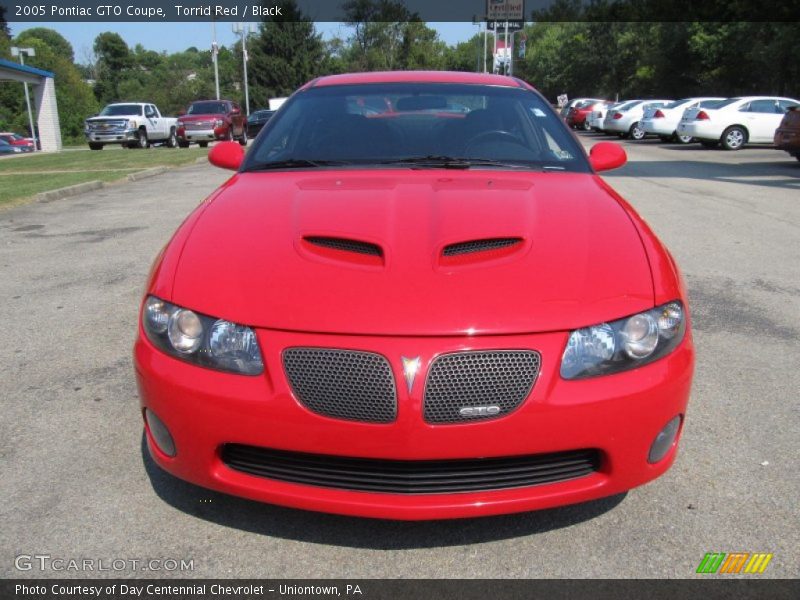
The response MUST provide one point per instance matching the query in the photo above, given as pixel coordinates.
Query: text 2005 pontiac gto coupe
(415, 299)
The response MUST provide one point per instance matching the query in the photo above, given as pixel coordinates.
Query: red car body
(412, 301)
(577, 115)
(210, 120)
(15, 139)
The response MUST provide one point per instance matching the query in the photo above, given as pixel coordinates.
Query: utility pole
(485, 34)
(214, 53)
(21, 52)
(243, 29)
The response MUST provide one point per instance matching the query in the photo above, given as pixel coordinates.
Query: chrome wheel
(733, 138)
(637, 133)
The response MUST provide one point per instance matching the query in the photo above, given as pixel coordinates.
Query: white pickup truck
(132, 124)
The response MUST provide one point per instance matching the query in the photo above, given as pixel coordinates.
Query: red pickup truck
(209, 120)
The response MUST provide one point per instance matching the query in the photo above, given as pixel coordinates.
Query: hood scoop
(344, 249)
(480, 250)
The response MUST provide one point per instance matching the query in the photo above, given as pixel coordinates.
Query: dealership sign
(505, 10)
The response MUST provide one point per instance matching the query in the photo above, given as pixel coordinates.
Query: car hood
(255, 255)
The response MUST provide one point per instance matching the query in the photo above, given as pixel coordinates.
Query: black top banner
(34, 11)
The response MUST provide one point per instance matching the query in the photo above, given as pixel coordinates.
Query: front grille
(343, 384)
(346, 245)
(103, 126)
(411, 476)
(479, 246)
(200, 125)
(466, 386)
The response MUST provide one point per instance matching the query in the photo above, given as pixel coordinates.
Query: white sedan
(624, 120)
(736, 121)
(664, 121)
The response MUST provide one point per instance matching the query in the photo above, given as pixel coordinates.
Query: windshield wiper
(295, 163)
(451, 162)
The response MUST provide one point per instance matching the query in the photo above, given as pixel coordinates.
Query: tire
(707, 144)
(203, 144)
(172, 140)
(586, 126)
(636, 132)
(183, 144)
(94, 146)
(733, 138)
(141, 140)
(243, 137)
(682, 139)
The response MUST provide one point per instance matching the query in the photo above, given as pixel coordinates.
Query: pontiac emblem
(410, 370)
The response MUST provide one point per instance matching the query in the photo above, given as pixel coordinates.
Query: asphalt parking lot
(76, 483)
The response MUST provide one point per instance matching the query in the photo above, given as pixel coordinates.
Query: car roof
(415, 77)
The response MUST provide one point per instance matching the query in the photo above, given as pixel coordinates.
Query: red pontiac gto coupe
(419, 313)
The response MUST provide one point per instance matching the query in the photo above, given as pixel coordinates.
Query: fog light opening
(664, 440)
(159, 433)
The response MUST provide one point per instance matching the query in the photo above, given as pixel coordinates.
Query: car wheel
(683, 139)
(93, 146)
(141, 140)
(733, 138)
(172, 140)
(636, 132)
(243, 138)
(707, 144)
(203, 144)
(183, 144)
(586, 126)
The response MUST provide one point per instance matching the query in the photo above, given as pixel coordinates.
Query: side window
(763, 106)
(785, 105)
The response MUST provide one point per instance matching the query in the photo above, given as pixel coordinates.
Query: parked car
(6, 148)
(578, 115)
(209, 120)
(787, 136)
(574, 102)
(257, 120)
(624, 121)
(736, 121)
(598, 114)
(131, 124)
(25, 144)
(350, 325)
(663, 121)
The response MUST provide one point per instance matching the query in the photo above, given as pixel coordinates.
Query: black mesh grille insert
(411, 476)
(466, 386)
(346, 245)
(344, 384)
(479, 246)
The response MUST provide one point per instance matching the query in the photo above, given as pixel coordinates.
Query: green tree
(113, 61)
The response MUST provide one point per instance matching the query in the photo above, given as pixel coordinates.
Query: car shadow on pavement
(779, 174)
(321, 528)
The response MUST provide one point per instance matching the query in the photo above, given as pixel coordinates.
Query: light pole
(243, 29)
(214, 53)
(21, 52)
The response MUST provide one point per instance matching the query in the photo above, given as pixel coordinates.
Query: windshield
(207, 108)
(418, 125)
(118, 110)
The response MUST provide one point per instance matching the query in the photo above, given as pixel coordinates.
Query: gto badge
(479, 411)
(410, 370)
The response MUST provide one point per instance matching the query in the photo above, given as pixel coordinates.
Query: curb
(147, 173)
(66, 192)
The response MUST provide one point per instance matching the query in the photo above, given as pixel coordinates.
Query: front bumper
(619, 415)
(111, 137)
(202, 135)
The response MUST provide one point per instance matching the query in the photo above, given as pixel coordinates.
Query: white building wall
(47, 109)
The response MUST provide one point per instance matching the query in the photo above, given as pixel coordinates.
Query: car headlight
(624, 344)
(200, 339)
(219, 123)
(132, 124)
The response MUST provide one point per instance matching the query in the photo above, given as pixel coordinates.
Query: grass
(25, 176)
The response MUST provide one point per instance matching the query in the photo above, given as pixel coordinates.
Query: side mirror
(226, 155)
(605, 156)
